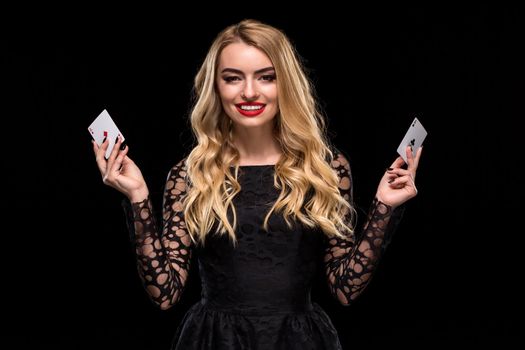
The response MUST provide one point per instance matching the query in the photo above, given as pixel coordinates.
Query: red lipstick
(250, 109)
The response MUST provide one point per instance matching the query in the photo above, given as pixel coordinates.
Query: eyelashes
(269, 77)
(230, 79)
(233, 78)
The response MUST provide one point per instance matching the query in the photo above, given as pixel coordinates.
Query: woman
(263, 199)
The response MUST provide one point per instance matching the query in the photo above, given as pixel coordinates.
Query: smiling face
(247, 85)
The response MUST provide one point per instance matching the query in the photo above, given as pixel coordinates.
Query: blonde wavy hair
(300, 129)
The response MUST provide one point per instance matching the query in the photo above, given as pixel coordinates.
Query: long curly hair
(304, 167)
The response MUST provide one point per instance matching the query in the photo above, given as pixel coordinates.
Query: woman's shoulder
(182, 162)
(179, 168)
(340, 157)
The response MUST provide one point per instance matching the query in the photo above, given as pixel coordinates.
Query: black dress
(257, 295)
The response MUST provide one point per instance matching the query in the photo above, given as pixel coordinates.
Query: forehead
(243, 57)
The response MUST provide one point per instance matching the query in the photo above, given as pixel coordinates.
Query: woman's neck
(256, 146)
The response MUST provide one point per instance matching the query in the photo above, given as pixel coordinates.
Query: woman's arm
(351, 261)
(163, 261)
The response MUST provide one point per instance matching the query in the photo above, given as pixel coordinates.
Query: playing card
(103, 126)
(415, 135)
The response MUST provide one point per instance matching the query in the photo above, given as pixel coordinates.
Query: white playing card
(103, 126)
(415, 136)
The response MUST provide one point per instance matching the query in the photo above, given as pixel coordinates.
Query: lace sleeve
(350, 262)
(163, 261)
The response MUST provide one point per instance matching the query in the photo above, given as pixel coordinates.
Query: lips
(250, 109)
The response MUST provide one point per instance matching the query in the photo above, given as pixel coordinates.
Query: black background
(451, 274)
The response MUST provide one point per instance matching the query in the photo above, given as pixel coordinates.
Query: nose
(249, 92)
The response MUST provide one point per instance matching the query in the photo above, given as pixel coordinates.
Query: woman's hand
(119, 171)
(398, 185)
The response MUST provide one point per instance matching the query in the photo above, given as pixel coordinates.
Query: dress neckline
(253, 166)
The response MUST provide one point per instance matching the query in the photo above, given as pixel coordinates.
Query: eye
(230, 79)
(268, 77)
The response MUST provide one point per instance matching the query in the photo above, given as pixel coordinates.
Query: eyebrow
(237, 71)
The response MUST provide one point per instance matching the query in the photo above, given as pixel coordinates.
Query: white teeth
(251, 108)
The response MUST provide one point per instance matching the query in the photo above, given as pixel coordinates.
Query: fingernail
(390, 169)
(105, 137)
(390, 181)
(116, 139)
(123, 145)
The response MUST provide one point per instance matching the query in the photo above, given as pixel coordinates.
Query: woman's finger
(398, 162)
(410, 157)
(115, 168)
(418, 156)
(413, 161)
(403, 181)
(114, 152)
(402, 172)
(99, 156)
(101, 150)
(398, 171)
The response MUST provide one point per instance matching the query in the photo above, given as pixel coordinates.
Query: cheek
(271, 93)
(228, 93)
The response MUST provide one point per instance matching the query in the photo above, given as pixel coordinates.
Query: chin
(253, 121)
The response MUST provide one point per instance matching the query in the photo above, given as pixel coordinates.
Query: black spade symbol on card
(412, 142)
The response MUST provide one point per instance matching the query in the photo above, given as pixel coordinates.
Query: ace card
(414, 137)
(103, 126)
